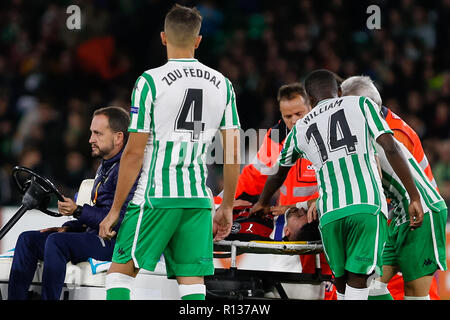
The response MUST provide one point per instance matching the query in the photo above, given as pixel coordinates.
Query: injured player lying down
(248, 227)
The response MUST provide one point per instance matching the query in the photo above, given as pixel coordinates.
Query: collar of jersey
(324, 100)
(184, 60)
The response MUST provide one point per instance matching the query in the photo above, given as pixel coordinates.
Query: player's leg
(356, 287)
(418, 263)
(334, 249)
(140, 243)
(418, 289)
(122, 271)
(366, 235)
(191, 288)
(378, 289)
(119, 280)
(189, 254)
(388, 273)
(340, 283)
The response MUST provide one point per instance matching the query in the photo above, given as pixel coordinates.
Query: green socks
(118, 294)
(124, 294)
(192, 291)
(118, 286)
(195, 296)
(379, 291)
(381, 297)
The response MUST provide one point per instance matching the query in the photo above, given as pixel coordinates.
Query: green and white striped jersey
(395, 190)
(337, 136)
(181, 105)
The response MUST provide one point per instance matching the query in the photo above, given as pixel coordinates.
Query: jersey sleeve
(290, 153)
(376, 123)
(230, 118)
(142, 99)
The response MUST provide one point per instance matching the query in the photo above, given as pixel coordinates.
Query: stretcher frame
(237, 247)
(270, 280)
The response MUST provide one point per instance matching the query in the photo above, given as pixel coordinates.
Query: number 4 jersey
(337, 136)
(181, 105)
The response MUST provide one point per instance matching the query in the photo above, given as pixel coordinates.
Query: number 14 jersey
(338, 137)
(181, 105)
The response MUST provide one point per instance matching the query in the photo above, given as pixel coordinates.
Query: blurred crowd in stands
(52, 78)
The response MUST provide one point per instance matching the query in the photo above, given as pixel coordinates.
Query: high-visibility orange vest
(408, 137)
(300, 184)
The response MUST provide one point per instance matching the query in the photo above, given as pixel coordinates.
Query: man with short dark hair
(176, 109)
(76, 240)
(291, 97)
(298, 228)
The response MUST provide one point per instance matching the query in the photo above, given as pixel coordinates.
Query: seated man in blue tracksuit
(76, 240)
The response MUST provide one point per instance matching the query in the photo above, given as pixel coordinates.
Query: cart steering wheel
(37, 190)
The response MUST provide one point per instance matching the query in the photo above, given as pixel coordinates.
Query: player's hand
(311, 214)
(260, 210)
(279, 210)
(106, 226)
(222, 222)
(67, 207)
(415, 214)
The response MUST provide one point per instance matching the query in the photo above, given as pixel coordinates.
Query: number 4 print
(337, 123)
(193, 99)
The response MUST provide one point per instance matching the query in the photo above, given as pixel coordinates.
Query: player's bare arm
(223, 219)
(398, 163)
(130, 166)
